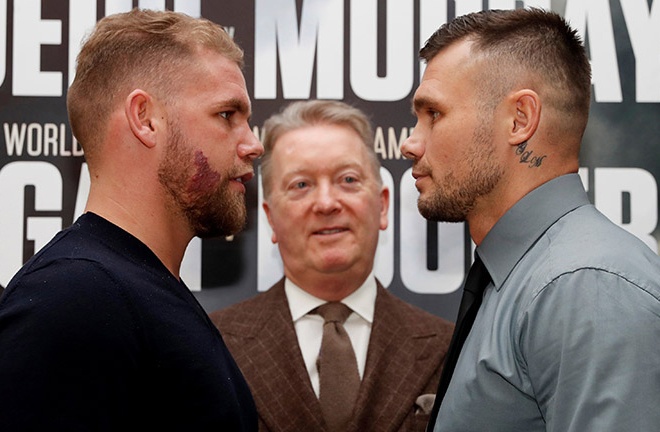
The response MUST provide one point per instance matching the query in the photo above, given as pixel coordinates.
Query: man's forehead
(455, 56)
(448, 69)
(297, 155)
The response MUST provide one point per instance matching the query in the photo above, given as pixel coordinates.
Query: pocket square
(424, 404)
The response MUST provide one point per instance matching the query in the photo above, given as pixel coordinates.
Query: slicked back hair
(298, 115)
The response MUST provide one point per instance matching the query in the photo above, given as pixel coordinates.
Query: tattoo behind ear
(528, 156)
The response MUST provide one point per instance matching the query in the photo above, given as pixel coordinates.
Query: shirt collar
(524, 223)
(362, 301)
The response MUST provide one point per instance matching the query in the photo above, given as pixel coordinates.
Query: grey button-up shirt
(568, 335)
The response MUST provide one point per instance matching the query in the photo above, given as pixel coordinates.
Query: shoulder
(57, 279)
(78, 259)
(246, 317)
(585, 266)
(585, 245)
(67, 301)
(586, 237)
(78, 280)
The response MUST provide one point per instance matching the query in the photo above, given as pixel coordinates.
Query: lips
(244, 178)
(419, 173)
(420, 169)
(330, 231)
(239, 181)
(419, 177)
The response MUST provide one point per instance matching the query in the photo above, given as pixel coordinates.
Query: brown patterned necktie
(338, 373)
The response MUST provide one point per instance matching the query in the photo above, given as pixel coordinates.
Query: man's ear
(385, 206)
(139, 109)
(525, 110)
(266, 208)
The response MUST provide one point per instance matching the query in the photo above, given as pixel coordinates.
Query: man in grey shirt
(566, 337)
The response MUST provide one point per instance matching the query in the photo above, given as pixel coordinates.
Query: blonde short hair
(138, 49)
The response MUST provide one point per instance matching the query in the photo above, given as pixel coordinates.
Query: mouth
(239, 181)
(417, 175)
(243, 178)
(330, 231)
(418, 171)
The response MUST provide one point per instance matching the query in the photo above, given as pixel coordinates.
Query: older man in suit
(326, 203)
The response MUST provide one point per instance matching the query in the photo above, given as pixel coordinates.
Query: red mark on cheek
(205, 177)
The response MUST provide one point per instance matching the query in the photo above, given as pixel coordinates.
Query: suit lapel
(397, 368)
(280, 382)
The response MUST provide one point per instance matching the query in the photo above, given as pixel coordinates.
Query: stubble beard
(453, 198)
(210, 206)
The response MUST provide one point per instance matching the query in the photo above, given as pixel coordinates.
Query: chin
(335, 264)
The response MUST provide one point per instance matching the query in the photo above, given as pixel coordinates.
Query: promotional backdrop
(361, 51)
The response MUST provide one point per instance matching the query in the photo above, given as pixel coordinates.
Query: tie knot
(334, 312)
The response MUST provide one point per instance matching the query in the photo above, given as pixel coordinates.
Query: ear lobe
(526, 116)
(139, 110)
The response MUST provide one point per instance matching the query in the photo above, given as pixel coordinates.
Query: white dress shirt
(309, 327)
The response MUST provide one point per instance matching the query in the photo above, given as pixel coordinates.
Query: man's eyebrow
(419, 103)
(238, 105)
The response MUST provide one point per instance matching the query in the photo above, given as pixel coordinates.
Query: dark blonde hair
(139, 49)
(532, 42)
(302, 114)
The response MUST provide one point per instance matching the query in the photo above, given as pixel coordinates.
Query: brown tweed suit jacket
(404, 360)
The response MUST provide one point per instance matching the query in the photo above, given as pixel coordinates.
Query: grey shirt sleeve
(590, 343)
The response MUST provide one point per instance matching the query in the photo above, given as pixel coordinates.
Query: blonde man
(97, 331)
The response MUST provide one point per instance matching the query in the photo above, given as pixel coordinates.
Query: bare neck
(146, 219)
(489, 209)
